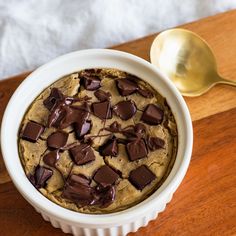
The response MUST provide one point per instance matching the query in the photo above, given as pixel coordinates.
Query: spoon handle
(226, 81)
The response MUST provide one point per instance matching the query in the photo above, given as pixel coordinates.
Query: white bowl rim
(101, 220)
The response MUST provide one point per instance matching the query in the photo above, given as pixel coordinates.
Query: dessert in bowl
(98, 141)
(103, 136)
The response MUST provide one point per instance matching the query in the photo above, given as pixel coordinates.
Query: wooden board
(205, 203)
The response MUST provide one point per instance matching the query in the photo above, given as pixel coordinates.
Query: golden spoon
(187, 60)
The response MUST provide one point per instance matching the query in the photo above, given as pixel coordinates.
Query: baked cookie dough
(98, 141)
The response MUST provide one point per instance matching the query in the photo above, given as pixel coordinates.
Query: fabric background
(33, 32)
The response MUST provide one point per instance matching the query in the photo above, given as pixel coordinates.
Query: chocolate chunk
(114, 127)
(80, 113)
(71, 116)
(51, 158)
(82, 128)
(140, 128)
(89, 140)
(83, 107)
(132, 78)
(152, 115)
(110, 148)
(102, 95)
(41, 175)
(82, 154)
(57, 139)
(63, 115)
(145, 93)
(31, 178)
(57, 114)
(67, 118)
(141, 177)
(105, 176)
(69, 100)
(137, 131)
(136, 149)
(80, 179)
(105, 195)
(126, 87)
(32, 131)
(102, 110)
(78, 190)
(91, 82)
(52, 99)
(129, 132)
(125, 109)
(92, 71)
(155, 143)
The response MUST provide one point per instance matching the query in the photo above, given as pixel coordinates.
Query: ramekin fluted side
(119, 230)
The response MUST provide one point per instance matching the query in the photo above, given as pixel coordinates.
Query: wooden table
(205, 203)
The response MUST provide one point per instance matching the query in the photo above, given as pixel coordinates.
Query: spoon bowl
(187, 60)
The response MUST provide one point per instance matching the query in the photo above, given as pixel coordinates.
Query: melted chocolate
(114, 127)
(62, 112)
(110, 148)
(63, 115)
(55, 96)
(51, 158)
(77, 189)
(105, 196)
(82, 128)
(140, 129)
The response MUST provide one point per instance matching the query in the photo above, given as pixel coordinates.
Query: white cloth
(32, 32)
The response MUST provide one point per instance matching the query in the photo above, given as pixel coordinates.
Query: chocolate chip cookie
(98, 141)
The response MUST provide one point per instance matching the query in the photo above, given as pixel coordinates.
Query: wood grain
(205, 202)
(220, 32)
(203, 205)
(7, 87)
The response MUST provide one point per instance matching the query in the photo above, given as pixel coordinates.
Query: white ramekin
(119, 223)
